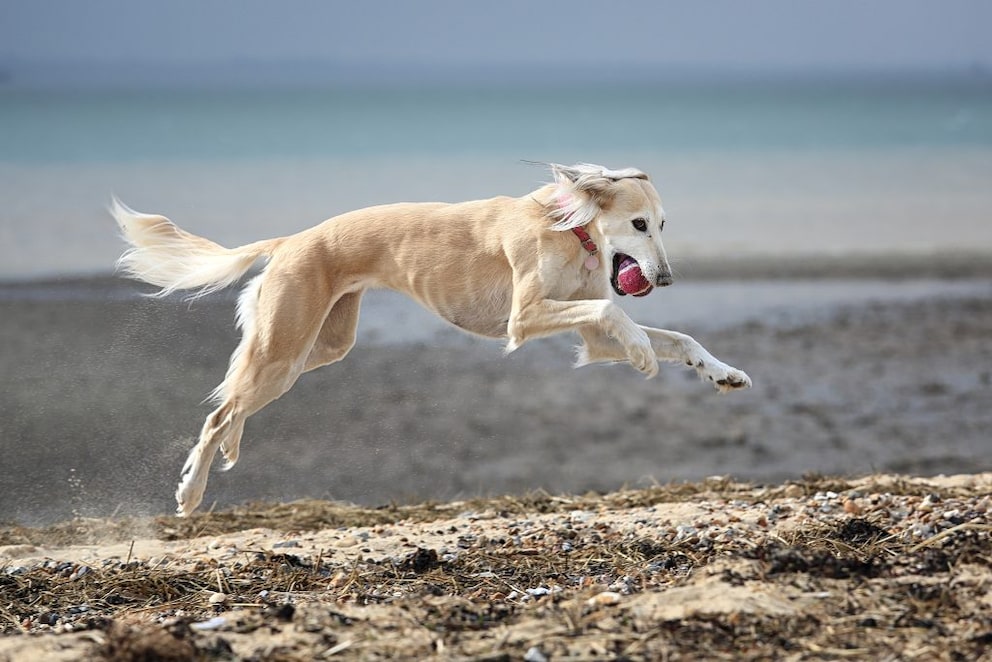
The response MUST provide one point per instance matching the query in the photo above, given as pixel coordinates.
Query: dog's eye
(662, 226)
(640, 224)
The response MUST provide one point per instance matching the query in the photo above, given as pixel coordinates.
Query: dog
(509, 268)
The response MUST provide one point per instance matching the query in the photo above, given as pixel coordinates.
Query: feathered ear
(593, 178)
(582, 190)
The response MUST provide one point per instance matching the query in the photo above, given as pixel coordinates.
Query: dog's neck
(586, 240)
(592, 260)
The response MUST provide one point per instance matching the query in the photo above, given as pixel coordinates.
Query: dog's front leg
(678, 347)
(547, 317)
(668, 346)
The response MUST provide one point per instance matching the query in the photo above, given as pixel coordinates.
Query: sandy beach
(886, 567)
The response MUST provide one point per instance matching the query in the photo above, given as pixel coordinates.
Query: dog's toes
(649, 366)
(230, 459)
(732, 381)
(643, 360)
(187, 499)
(723, 377)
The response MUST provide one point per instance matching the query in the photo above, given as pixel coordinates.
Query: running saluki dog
(509, 268)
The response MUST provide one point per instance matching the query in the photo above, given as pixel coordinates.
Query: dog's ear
(625, 173)
(583, 190)
(593, 179)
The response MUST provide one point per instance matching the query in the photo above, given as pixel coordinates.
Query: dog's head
(626, 209)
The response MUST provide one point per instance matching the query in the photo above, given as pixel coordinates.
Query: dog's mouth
(627, 277)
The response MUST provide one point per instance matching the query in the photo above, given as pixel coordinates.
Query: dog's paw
(734, 380)
(641, 355)
(230, 454)
(724, 378)
(188, 497)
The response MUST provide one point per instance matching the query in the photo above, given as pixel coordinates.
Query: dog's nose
(664, 279)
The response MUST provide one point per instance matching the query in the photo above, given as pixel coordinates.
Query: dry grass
(859, 588)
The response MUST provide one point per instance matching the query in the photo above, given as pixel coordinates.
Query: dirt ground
(883, 567)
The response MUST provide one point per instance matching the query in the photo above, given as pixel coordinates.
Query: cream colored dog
(501, 268)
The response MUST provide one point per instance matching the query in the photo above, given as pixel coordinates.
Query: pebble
(214, 623)
(535, 654)
(621, 585)
(286, 543)
(217, 598)
(604, 599)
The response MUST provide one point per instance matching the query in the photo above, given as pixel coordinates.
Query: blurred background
(825, 169)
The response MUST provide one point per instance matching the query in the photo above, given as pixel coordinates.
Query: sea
(757, 167)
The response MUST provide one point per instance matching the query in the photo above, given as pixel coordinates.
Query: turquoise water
(828, 166)
(115, 126)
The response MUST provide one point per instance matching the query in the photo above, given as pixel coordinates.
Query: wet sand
(99, 406)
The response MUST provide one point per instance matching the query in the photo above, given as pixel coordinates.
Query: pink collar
(587, 242)
(592, 260)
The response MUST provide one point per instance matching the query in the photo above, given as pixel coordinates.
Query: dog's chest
(581, 283)
(485, 314)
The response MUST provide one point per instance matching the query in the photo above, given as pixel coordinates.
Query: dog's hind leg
(273, 352)
(337, 335)
(334, 341)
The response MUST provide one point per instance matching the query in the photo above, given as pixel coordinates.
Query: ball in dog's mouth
(628, 278)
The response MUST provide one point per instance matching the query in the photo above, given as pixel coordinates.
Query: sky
(758, 35)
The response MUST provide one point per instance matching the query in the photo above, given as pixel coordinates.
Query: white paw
(734, 380)
(641, 355)
(230, 457)
(188, 497)
(643, 360)
(724, 378)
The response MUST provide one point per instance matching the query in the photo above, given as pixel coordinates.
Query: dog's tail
(162, 254)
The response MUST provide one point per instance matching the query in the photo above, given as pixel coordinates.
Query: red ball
(631, 279)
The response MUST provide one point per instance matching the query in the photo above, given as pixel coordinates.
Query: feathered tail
(163, 254)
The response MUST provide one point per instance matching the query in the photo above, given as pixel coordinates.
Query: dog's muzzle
(664, 279)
